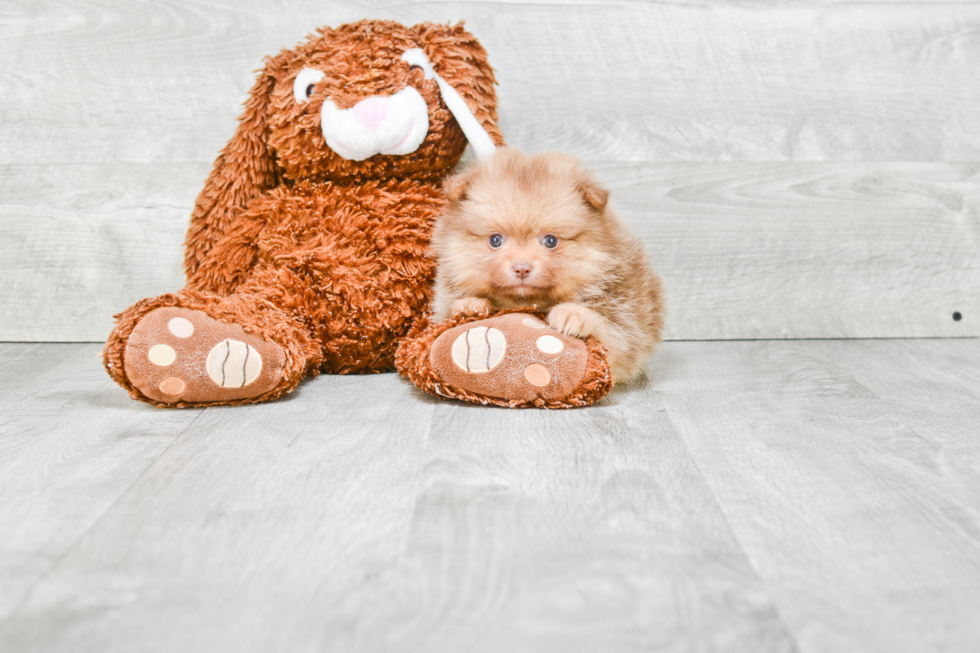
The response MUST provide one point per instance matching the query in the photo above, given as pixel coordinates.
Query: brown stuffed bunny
(307, 247)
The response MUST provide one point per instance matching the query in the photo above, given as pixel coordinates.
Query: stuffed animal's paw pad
(479, 349)
(233, 364)
(512, 357)
(180, 355)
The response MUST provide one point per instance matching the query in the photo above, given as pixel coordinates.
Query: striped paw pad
(181, 355)
(479, 349)
(233, 364)
(515, 357)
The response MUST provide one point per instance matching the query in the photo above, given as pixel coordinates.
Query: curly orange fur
(326, 256)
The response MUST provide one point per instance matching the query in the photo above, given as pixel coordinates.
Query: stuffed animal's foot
(513, 359)
(180, 355)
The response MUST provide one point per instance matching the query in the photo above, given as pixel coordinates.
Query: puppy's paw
(575, 320)
(471, 306)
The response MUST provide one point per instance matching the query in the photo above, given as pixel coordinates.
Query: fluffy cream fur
(536, 231)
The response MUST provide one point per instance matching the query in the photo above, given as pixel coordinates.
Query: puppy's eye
(305, 83)
(414, 67)
(496, 241)
(550, 241)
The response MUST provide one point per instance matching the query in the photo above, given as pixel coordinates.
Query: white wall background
(797, 169)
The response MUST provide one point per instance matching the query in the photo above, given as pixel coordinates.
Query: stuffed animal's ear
(244, 169)
(594, 194)
(460, 60)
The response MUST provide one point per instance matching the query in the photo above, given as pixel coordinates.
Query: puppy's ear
(455, 187)
(461, 61)
(594, 194)
(244, 169)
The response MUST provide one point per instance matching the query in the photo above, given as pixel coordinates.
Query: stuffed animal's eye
(305, 83)
(550, 241)
(496, 241)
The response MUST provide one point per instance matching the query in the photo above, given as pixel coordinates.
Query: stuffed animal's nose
(371, 112)
(522, 270)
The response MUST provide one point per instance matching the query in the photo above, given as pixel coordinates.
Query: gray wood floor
(746, 496)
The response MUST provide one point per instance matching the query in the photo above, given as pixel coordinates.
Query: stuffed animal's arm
(232, 256)
(242, 172)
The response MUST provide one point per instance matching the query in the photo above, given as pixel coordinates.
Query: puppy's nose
(522, 270)
(371, 112)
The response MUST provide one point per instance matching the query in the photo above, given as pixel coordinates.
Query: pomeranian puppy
(537, 231)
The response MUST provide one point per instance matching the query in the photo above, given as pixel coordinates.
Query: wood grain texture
(71, 444)
(860, 526)
(95, 82)
(361, 515)
(286, 509)
(816, 496)
(746, 250)
(79, 244)
(114, 112)
(809, 250)
(935, 395)
(573, 531)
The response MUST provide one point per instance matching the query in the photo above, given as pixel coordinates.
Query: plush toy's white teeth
(394, 125)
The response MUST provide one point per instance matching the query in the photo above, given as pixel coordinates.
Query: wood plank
(362, 515)
(815, 496)
(747, 250)
(97, 82)
(79, 244)
(71, 443)
(936, 397)
(741, 81)
(809, 250)
(22, 364)
(100, 176)
(573, 531)
(865, 537)
(251, 532)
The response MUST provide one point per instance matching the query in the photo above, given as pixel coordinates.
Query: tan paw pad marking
(161, 355)
(534, 324)
(479, 349)
(233, 364)
(549, 344)
(172, 386)
(181, 327)
(537, 375)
